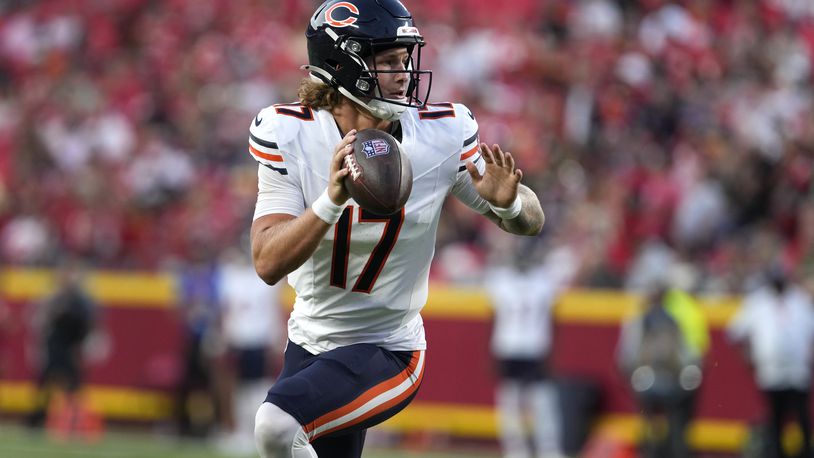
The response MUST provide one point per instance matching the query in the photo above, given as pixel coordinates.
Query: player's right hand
(336, 185)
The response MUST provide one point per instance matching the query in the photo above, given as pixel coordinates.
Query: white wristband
(510, 212)
(326, 210)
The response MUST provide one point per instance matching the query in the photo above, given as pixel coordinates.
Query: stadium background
(653, 131)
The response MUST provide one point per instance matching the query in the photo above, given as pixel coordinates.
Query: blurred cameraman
(661, 351)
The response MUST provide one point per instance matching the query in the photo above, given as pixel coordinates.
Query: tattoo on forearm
(531, 218)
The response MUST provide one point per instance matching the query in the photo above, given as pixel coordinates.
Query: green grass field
(16, 442)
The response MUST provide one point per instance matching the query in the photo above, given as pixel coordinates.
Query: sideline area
(16, 442)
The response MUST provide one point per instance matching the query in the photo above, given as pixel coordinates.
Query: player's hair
(318, 95)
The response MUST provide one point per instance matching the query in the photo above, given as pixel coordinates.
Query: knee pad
(278, 434)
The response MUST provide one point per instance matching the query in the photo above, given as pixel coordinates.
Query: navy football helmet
(342, 34)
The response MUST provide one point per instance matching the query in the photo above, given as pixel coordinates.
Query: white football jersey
(523, 301)
(367, 280)
(251, 316)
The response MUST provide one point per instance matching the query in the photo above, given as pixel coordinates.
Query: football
(381, 177)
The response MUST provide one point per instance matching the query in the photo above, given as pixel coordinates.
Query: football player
(355, 355)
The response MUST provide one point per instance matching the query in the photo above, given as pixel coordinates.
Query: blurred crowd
(654, 131)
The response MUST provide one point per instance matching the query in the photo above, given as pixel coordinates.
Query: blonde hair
(318, 95)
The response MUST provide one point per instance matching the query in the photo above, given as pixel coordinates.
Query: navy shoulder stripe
(436, 114)
(280, 170)
(263, 143)
(472, 138)
(463, 167)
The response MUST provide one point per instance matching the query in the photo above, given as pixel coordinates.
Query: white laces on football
(353, 167)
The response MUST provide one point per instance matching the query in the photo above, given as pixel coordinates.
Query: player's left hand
(499, 182)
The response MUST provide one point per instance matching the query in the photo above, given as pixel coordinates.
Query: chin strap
(378, 108)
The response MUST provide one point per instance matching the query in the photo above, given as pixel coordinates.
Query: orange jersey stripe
(378, 409)
(469, 153)
(270, 157)
(366, 396)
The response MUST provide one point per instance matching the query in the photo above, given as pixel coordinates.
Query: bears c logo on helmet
(342, 22)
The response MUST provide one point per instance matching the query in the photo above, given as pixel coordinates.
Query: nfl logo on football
(375, 147)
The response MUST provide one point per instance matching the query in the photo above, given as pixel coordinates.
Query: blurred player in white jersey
(355, 355)
(253, 329)
(523, 291)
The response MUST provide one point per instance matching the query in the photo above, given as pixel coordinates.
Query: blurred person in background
(5, 329)
(355, 355)
(203, 347)
(6, 326)
(523, 292)
(775, 326)
(254, 331)
(63, 323)
(660, 352)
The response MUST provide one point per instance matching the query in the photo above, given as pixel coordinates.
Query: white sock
(547, 422)
(279, 435)
(512, 420)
